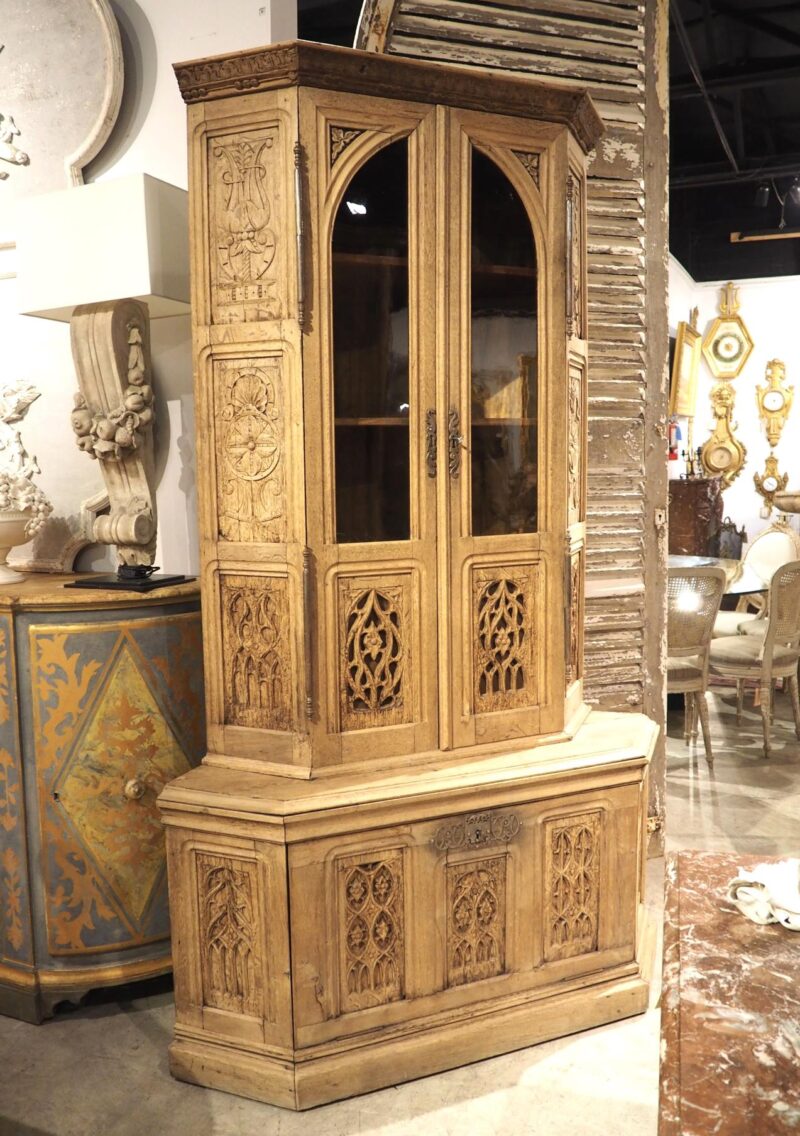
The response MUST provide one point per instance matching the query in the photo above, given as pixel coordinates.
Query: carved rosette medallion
(476, 920)
(530, 161)
(256, 639)
(242, 176)
(227, 905)
(371, 953)
(375, 655)
(574, 257)
(477, 830)
(504, 602)
(572, 885)
(250, 480)
(338, 140)
(575, 654)
(574, 444)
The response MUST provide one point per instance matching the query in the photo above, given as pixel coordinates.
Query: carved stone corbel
(113, 420)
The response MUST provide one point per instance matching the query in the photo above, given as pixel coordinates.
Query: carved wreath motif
(112, 435)
(477, 830)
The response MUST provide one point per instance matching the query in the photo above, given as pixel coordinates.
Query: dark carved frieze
(477, 830)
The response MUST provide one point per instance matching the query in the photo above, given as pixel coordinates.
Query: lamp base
(130, 581)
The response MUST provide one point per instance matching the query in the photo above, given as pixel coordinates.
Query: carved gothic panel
(371, 932)
(375, 653)
(243, 170)
(256, 635)
(339, 139)
(572, 885)
(229, 934)
(574, 649)
(476, 920)
(504, 607)
(251, 463)
(576, 413)
(531, 164)
(575, 258)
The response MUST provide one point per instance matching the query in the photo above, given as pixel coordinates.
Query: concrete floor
(101, 1070)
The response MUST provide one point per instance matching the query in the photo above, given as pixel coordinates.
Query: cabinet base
(312, 1079)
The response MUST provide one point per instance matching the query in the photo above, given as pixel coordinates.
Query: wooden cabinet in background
(695, 516)
(410, 844)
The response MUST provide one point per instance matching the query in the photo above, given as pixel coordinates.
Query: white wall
(771, 310)
(149, 137)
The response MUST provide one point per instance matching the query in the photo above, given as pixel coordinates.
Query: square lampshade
(111, 240)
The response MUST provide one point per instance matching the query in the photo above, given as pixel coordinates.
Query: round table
(740, 579)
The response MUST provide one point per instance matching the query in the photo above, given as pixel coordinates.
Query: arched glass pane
(370, 351)
(504, 357)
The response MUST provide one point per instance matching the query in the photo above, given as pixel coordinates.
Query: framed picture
(685, 369)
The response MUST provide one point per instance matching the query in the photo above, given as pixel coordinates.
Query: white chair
(693, 596)
(776, 545)
(768, 656)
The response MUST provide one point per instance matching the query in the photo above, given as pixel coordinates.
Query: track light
(762, 196)
(793, 192)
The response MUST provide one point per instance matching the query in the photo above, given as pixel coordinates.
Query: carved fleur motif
(531, 163)
(340, 139)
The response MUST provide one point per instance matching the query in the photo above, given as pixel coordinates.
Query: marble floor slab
(102, 1070)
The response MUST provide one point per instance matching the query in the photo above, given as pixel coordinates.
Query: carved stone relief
(256, 637)
(375, 655)
(476, 920)
(113, 420)
(371, 932)
(504, 603)
(250, 439)
(229, 929)
(242, 170)
(340, 139)
(531, 164)
(572, 885)
(477, 830)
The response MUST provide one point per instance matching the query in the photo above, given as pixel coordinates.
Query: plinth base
(336, 936)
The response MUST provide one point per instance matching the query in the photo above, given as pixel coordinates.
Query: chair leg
(702, 705)
(739, 700)
(694, 719)
(766, 713)
(794, 693)
(687, 716)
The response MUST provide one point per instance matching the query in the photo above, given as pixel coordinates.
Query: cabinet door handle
(431, 443)
(454, 442)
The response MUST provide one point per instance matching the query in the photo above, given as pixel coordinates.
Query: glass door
(379, 554)
(497, 487)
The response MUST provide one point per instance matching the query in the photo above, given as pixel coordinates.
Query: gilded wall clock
(727, 345)
(774, 401)
(723, 455)
(771, 481)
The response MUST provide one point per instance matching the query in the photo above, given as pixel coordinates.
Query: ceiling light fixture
(793, 192)
(762, 196)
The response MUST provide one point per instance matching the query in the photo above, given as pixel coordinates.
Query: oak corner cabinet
(410, 844)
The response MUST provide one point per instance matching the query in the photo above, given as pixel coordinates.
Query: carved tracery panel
(575, 441)
(256, 636)
(229, 928)
(251, 465)
(575, 600)
(371, 931)
(242, 174)
(504, 607)
(476, 920)
(375, 654)
(572, 885)
(575, 321)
